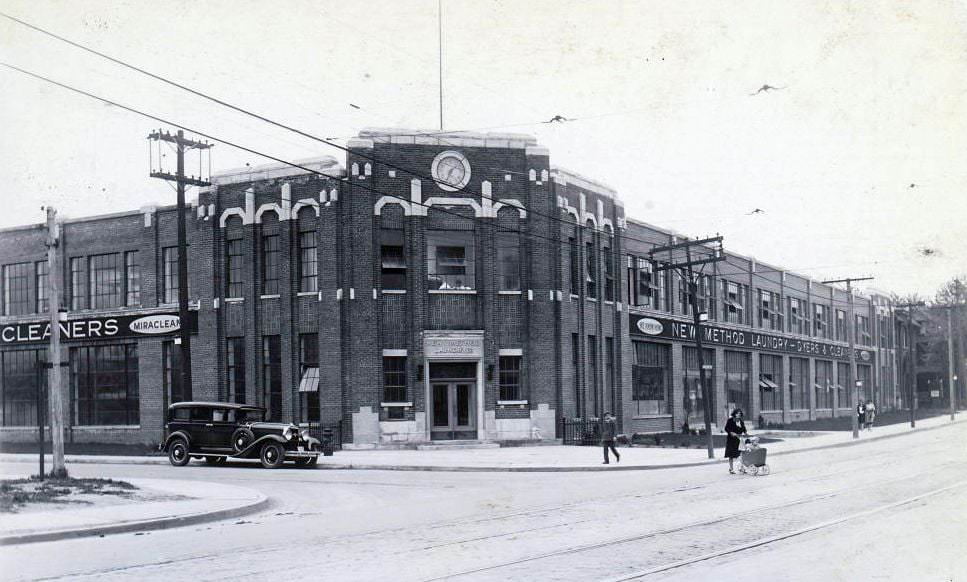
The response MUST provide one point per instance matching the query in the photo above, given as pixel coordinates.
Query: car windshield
(248, 415)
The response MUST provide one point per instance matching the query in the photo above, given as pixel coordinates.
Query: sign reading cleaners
(121, 326)
(720, 336)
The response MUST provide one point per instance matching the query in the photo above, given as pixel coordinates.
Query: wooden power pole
(55, 385)
(851, 334)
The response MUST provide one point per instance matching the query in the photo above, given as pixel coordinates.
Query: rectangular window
(510, 378)
(169, 279)
(450, 260)
(235, 369)
(508, 262)
(770, 310)
(843, 383)
(392, 260)
(737, 381)
(770, 379)
(733, 302)
(171, 371)
(798, 383)
(270, 264)
(394, 386)
(104, 280)
(694, 399)
(864, 379)
(16, 289)
(272, 377)
(651, 379)
(608, 273)
(574, 263)
(78, 285)
(42, 279)
(651, 285)
(823, 385)
(132, 278)
(22, 376)
(841, 326)
(609, 374)
(591, 270)
(104, 385)
(704, 296)
(234, 268)
(593, 370)
(798, 322)
(631, 280)
(820, 321)
(576, 372)
(309, 377)
(863, 336)
(308, 262)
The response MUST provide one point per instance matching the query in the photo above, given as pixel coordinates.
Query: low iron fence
(580, 431)
(331, 432)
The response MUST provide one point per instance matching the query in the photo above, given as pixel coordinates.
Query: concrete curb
(144, 525)
(536, 469)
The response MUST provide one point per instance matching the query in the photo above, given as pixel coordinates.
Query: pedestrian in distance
(607, 438)
(733, 428)
(861, 414)
(870, 414)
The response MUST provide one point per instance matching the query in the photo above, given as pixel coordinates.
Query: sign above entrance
(453, 347)
(753, 340)
(94, 328)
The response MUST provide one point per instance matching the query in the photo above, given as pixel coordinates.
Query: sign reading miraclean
(154, 324)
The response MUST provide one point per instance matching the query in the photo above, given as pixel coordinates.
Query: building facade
(435, 287)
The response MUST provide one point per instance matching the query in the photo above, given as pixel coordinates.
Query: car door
(201, 428)
(222, 427)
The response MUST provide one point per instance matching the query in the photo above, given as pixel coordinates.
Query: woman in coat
(733, 428)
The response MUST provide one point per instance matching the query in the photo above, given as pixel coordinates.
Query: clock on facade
(451, 170)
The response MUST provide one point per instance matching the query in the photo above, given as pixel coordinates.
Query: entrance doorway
(453, 390)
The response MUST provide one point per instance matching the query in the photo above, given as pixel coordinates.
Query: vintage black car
(218, 431)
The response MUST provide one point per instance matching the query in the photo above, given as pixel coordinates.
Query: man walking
(607, 438)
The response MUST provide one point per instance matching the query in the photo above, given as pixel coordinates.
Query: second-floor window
(104, 278)
(42, 280)
(733, 301)
(608, 273)
(798, 322)
(450, 260)
(77, 283)
(308, 262)
(841, 325)
(575, 266)
(392, 260)
(508, 262)
(821, 321)
(169, 279)
(863, 336)
(132, 278)
(16, 289)
(234, 267)
(770, 310)
(591, 270)
(270, 264)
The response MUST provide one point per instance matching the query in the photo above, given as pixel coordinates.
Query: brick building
(434, 287)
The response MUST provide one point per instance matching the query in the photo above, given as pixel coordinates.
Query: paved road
(896, 509)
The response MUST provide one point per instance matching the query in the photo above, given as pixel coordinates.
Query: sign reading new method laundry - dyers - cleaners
(94, 328)
(723, 336)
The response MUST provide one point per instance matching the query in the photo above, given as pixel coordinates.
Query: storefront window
(843, 383)
(798, 383)
(770, 379)
(823, 385)
(737, 381)
(21, 377)
(104, 385)
(694, 399)
(865, 379)
(651, 379)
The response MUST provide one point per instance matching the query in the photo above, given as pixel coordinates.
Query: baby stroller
(753, 458)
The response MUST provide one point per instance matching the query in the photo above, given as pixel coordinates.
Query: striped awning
(767, 384)
(310, 380)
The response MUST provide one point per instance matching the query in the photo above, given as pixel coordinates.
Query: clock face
(451, 170)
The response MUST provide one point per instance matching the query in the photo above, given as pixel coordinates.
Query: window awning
(819, 387)
(310, 380)
(767, 384)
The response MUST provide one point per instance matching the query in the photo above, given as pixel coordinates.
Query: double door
(454, 410)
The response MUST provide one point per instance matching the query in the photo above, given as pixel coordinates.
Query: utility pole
(54, 383)
(709, 250)
(851, 334)
(951, 378)
(181, 146)
(911, 363)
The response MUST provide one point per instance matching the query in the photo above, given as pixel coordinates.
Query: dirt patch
(16, 494)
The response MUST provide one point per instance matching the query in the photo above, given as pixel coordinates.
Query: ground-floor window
(104, 385)
(798, 383)
(737, 381)
(22, 376)
(309, 377)
(394, 385)
(770, 377)
(843, 383)
(694, 398)
(824, 385)
(864, 376)
(171, 371)
(272, 377)
(510, 388)
(651, 379)
(235, 369)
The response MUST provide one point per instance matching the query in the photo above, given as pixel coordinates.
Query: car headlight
(304, 434)
(287, 433)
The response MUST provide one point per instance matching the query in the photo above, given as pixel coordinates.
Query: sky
(857, 157)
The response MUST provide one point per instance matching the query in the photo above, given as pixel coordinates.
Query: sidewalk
(178, 503)
(556, 458)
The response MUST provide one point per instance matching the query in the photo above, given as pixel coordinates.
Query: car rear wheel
(306, 461)
(272, 455)
(178, 453)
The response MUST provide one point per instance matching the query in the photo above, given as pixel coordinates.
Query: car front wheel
(178, 453)
(272, 455)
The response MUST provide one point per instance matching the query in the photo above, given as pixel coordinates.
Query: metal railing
(327, 432)
(580, 431)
